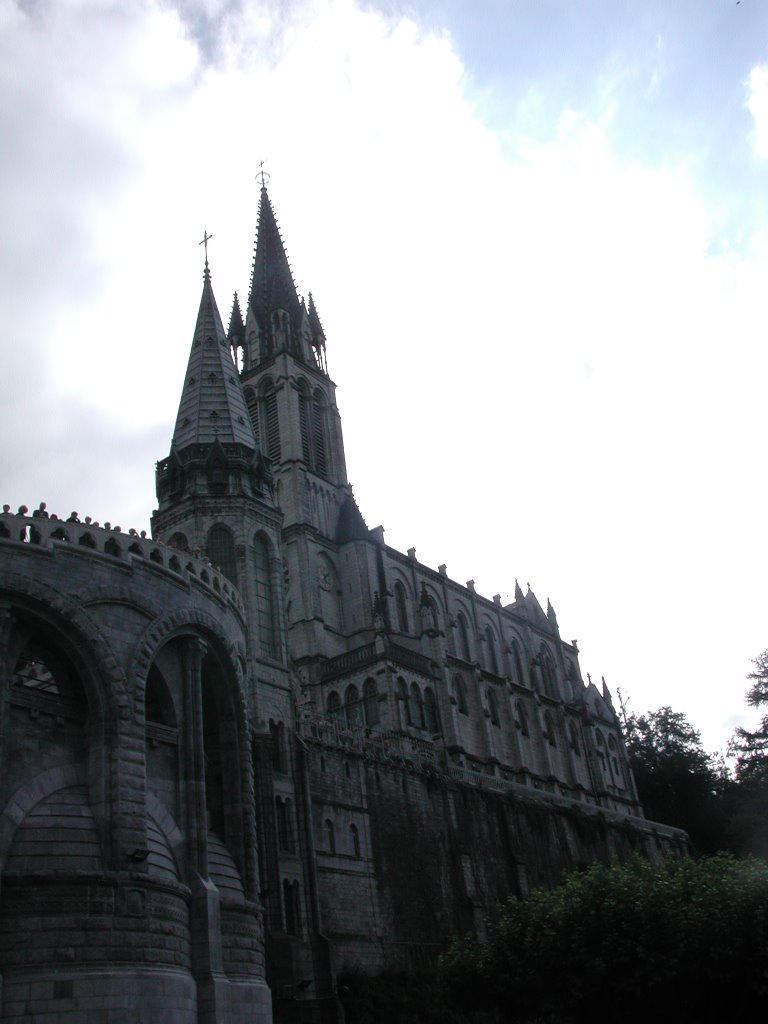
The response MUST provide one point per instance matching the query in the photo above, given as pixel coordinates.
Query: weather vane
(204, 241)
(262, 175)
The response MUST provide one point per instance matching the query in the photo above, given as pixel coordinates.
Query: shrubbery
(628, 943)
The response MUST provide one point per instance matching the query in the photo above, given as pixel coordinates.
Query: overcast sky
(537, 236)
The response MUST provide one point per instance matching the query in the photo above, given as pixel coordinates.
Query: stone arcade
(263, 746)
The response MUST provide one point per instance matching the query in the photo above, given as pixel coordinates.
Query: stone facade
(264, 746)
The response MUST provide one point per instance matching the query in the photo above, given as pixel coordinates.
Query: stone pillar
(205, 907)
(194, 759)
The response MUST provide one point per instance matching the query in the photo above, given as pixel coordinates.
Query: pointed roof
(350, 525)
(212, 406)
(272, 284)
(318, 334)
(236, 332)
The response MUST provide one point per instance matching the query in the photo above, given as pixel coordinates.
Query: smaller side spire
(236, 330)
(317, 335)
(212, 406)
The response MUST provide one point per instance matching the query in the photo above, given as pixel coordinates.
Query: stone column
(194, 758)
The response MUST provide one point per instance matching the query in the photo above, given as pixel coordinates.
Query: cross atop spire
(204, 241)
(262, 175)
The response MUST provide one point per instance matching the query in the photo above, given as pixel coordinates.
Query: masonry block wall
(129, 885)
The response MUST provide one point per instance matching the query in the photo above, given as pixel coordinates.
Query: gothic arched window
(401, 607)
(291, 906)
(461, 695)
(318, 433)
(549, 729)
(353, 706)
(354, 837)
(281, 813)
(221, 551)
(252, 404)
(330, 835)
(334, 705)
(517, 662)
(405, 705)
(304, 426)
(266, 606)
(490, 643)
(370, 702)
(573, 739)
(522, 718)
(493, 708)
(431, 719)
(462, 638)
(417, 706)
(600, 742)
(547, 669)
(271, 421)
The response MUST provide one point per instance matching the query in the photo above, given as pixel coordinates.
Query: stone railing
(383, 648)
(383, 746)
(46, 530)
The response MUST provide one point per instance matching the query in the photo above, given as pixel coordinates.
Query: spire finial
(262, 175)
(204, 241)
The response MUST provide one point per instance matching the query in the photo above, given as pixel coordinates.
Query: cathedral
(260, 747)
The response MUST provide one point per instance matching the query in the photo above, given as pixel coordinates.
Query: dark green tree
(747, 801)
(630, 943)
(751, 748)
(677, 781)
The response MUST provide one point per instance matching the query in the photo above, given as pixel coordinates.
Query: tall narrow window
(417, 707)
(272, 424)
(265, 600)
(402, 693)
(306, 452)
(221, 551)
(462, 638)
(401, 607)
(353, 706)
(549, 729)
(461, 695)
(490, 643)
(548, 677)
(517, 661)
(430, 712)
(522, 719)
(354, 837)
(493, 708)
(318, 433)
(291, 906)
(252, 403)
(573, 739)
(600, 749)
(330, 835)
(281, 813)
(370, 702)
(613, 753)
(277, 732)
(334, 707)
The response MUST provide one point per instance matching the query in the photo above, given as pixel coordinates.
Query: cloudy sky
(537, 235)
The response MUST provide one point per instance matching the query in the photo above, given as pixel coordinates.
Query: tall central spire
(272, 286)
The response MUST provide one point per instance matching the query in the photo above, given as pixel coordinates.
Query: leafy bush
(629, 943)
